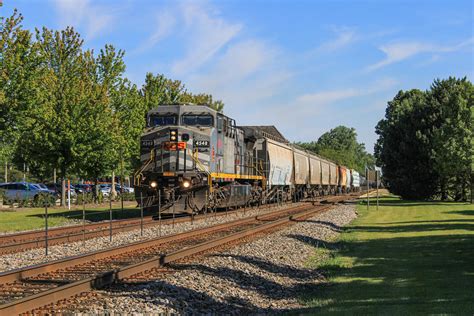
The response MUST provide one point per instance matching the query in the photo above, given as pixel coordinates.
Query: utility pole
(6, 171)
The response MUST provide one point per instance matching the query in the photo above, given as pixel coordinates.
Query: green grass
(33, 218)
(406, 258)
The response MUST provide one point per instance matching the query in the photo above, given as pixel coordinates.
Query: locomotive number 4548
(201, 143)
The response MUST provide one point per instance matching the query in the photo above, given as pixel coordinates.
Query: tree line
(341, 146)
(426, 141)
(69, 108)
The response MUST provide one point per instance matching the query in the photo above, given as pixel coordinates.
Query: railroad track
(32, 287)
(22, 241)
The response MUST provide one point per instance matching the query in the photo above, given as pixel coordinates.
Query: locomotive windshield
(198, 120)
(163, 120)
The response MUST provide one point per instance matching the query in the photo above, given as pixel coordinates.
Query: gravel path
(35, 256)
(263, 276)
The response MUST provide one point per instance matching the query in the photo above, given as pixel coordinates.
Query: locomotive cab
(187, 151)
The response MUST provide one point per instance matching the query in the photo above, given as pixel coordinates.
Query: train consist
(196, 158)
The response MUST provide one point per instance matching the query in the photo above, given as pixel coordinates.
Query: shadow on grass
(414, 228)
(463, 212)
(406, 275)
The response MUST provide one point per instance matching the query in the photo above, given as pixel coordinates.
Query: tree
(18, 77)
(202, 99)
(452, 100)
(424, 144)
(340, 145)
(67, 106)
(159, 90)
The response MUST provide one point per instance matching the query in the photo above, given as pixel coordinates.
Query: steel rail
(22, 273)
(11, 243)
(62, 292)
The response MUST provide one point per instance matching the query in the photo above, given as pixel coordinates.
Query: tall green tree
(451, 101)
(18, 78)
(424, 144)
(403, 147)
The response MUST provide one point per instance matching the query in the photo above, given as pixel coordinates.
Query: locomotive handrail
(199, 164)
(136, 176)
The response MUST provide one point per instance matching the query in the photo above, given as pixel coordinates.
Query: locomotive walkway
(405, 258)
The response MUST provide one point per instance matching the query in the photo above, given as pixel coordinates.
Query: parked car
(22, 190)
(105, 189)
(44, 188)
(125, 189)
(86, 188)
(57, 188)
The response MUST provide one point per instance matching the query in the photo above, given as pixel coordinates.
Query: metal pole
(110, 211)
(141, 213)
(192, 212)
(83, 219)
(205, 205)
(159, 210)
(69, 194)
(377, 183)
(46, 226)
(367, 179)
(245, 204)
(173, 207)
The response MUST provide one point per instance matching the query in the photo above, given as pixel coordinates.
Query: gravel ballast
(36, 256)
(266, 275)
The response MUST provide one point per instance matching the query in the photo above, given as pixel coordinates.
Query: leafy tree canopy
(425, 141)
(340, 145)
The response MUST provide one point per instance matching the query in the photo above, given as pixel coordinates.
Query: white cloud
(243, 75)
(165, 22)
(205, 34)
(94, 18)
(399, 51)
(322, 98)
(344, 37)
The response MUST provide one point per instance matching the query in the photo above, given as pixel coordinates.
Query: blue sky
(303, 66)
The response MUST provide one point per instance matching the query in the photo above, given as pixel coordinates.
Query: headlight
(186, 184)
(153, 184)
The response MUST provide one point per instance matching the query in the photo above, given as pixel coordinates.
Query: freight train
(195, 158)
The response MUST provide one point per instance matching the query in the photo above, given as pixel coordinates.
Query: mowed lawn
(18, 219)
(406, 258)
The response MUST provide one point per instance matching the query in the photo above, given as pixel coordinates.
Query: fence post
(46, 226)
(377, 184)
(205, 204)
(110, 211)
(83, 219)
(141, 213)
(367, 179)
(174, 200)
(159, 210)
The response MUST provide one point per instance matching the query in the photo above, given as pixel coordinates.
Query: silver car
(21, 190)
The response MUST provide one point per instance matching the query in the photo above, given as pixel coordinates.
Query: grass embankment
(406, 258)
(33, 218)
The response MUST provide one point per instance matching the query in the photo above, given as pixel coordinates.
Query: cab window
(197, 120)
(164, 120)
